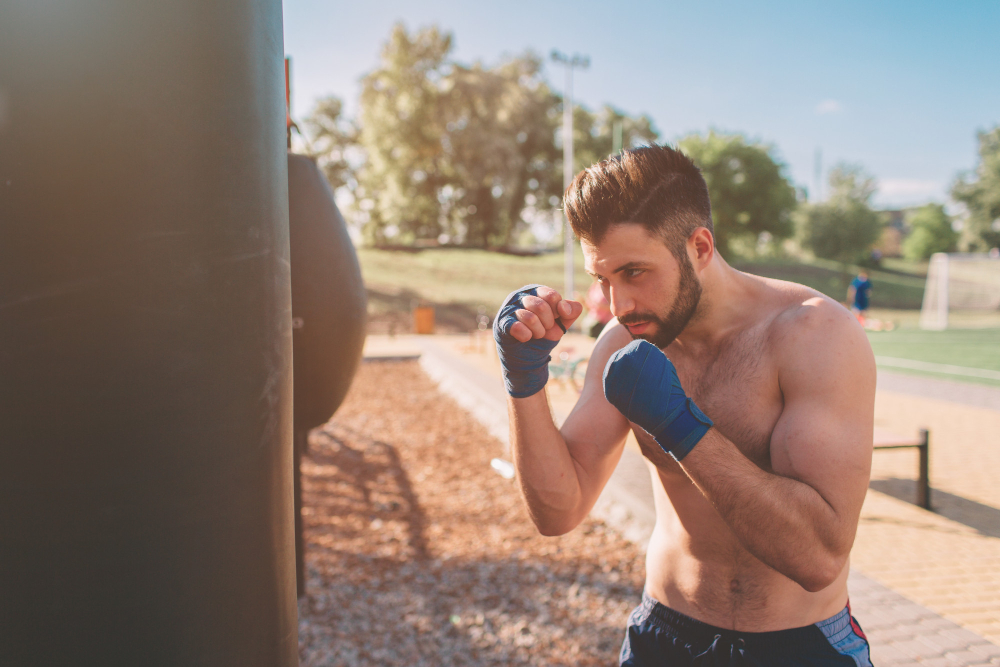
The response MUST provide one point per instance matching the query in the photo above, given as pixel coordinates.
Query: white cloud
(905, 192)
(828, 107)
(909, 187)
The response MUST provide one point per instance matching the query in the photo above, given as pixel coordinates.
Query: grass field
(456, 282)
(459, 282)
(462, 280)
(966, 348)
(891, 289)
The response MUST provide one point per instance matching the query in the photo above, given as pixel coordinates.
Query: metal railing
(887, 440)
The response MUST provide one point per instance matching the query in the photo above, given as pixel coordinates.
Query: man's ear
(701, 248)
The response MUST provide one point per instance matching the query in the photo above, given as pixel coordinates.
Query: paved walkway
(925, 585)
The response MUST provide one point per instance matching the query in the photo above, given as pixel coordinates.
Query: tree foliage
(593, 134)
(401, 132)
(843, 228)
(931, 232)
(499, 145)
(747, 186)
(980, 192)
(329, 138)
(460, 152)
(463, 151)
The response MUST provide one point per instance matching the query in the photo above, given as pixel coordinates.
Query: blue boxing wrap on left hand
(525, 365)
(642, 383)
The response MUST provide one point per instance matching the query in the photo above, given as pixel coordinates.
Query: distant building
(895, 230)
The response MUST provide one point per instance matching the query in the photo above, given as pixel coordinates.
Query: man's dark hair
(657, 187)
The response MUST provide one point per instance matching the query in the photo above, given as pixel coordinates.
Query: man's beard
(667, 328)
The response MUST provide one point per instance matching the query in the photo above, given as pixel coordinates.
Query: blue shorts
(658, 635)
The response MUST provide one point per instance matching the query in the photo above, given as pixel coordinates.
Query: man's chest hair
(738, 389)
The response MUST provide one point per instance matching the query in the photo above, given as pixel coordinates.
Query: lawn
(890, 289)
(458, 282)
(968, 348)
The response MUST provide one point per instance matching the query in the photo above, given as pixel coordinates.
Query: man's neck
(727, 303)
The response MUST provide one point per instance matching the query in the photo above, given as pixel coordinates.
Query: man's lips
(638, 328)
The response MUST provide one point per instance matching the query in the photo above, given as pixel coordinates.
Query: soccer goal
(963, 289)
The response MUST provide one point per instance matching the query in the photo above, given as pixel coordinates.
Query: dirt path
(420, 554)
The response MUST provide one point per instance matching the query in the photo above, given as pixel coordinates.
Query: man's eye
(633, 273)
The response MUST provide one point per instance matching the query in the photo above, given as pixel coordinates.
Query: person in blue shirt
(858, 295)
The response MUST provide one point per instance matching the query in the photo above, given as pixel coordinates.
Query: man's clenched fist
(642, 383)
(529, 324)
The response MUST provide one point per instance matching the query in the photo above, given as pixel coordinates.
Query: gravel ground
(420, 554)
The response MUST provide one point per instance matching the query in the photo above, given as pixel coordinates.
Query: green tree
(401, 131)
(843, 228)
(749, 191)
(593, 134)
(931, 232)
(463, 151)
(329, 138)
(499, 147)
(980, 192)
(466, 152)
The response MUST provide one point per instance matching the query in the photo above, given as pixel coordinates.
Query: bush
(931, 233)
(844, 230)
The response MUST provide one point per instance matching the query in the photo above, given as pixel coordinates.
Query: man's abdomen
(696, 566)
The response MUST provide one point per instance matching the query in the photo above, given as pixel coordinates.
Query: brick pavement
(947, 560)
(925, 585)
(903, 633)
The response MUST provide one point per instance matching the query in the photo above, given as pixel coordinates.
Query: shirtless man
(757, 430)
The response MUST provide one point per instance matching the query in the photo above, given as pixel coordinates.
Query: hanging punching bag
(145, 335)
(329, 305)
(329, 313)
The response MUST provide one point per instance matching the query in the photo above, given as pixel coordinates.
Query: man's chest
(739, 391)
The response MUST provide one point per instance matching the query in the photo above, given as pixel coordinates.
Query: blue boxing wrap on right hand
(642, 383)
(525, 365)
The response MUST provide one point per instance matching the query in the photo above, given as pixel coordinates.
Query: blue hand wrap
(525, 365)
(642, 383)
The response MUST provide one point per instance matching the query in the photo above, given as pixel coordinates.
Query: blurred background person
(859, 294)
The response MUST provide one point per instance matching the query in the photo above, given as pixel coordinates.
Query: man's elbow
(553, 530)
(821, 572)
(557, 525)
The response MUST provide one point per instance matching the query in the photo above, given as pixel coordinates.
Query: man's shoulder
(820, 348)
(808, 324)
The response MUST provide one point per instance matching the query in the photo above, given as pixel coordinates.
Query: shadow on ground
(983, 518)
(389, 312)
(367, 481)
(380, 591)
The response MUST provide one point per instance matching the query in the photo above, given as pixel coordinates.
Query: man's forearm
(785, 523)
(548, 474)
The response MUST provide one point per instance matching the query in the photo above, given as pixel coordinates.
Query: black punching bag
(329, 309)
(145, 335)
(329, 305)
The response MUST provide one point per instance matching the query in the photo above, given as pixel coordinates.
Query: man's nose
(620, 302)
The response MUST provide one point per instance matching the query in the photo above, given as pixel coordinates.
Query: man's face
(652, 293)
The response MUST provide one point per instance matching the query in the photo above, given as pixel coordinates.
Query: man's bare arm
(562, 471)
(802, 518)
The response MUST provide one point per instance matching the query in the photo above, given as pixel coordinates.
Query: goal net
(963, 289)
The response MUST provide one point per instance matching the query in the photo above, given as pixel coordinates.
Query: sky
(899, 87)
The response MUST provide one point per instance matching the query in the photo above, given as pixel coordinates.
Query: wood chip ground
(419, 553)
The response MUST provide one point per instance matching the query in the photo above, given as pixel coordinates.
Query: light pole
(582, 62)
